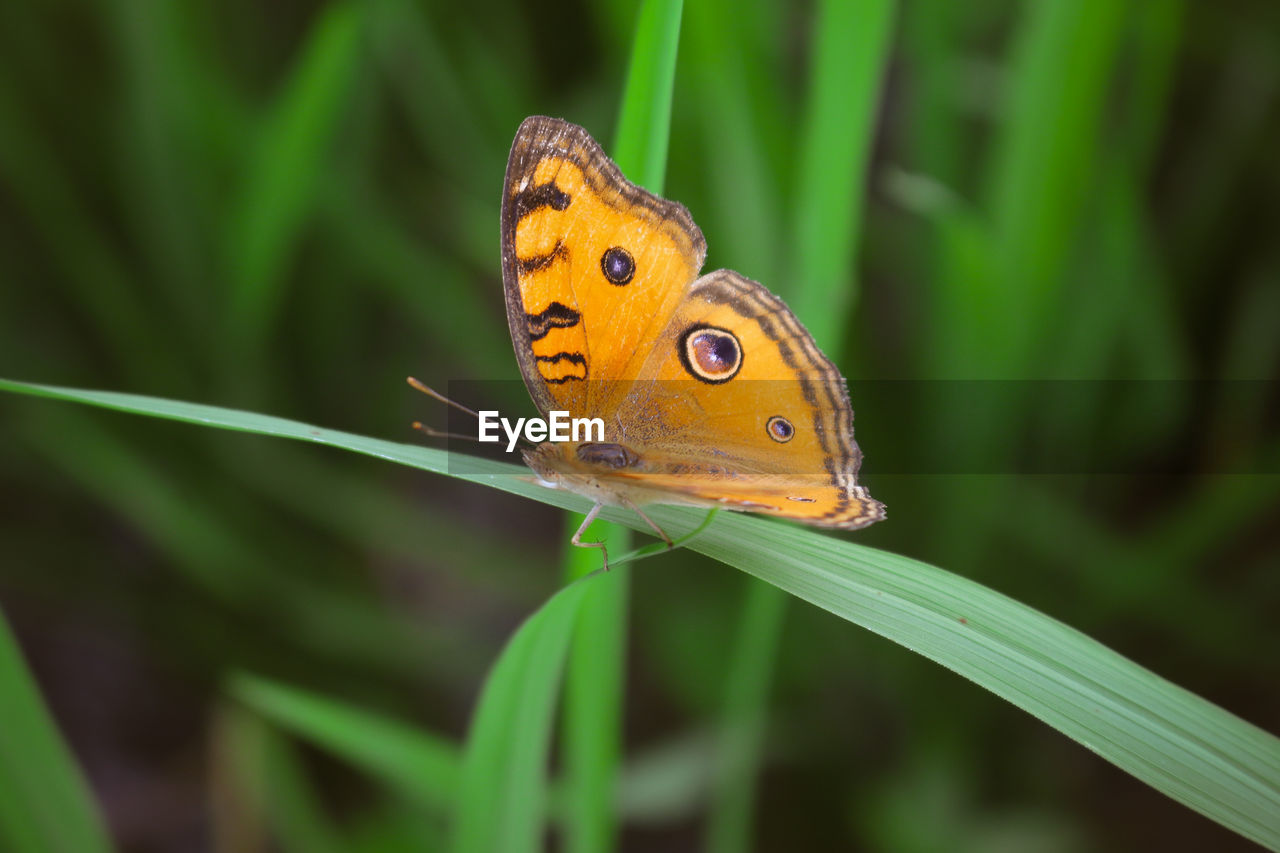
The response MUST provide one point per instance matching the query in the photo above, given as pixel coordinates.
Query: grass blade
(421, 767)
(164, 79)
(1180, 744)
(929, 46)
(38, 186)
(1043, 167)
(740, 740)
(503, 794)
(294, 809)
(263, 798)
(1184, 746)
(591, 739)
(45, 805)
(741, 122)
(223, 418)
(852, 43)
(283, 171)
(644, 122)
(834, 154)
(592, 736)
(272, 794)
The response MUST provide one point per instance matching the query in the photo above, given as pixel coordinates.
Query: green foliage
(1181, 744)
(502, 795)
(417, 765)
(288, 208)
(46, 805)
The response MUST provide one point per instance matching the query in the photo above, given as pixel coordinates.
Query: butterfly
(711, 392)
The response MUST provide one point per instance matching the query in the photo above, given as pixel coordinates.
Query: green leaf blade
(284, 170)
(1138, 721)
(45, 805)
(834, 159)
(502, 795)
(1192, 750)
(644, 122)
(594, 682)
(423, 768)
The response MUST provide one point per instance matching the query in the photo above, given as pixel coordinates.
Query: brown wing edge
(537, 137)
(869, 511)
(861, 510)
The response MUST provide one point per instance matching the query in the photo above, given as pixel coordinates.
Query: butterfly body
(710, 390)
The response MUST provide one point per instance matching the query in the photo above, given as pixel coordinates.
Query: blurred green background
(289, 207)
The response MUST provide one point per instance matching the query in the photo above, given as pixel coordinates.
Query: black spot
(544, 195)
(607, 455)
(617, 265)
(780, 429)
(555, 316)
(720, 350)
(710, 354)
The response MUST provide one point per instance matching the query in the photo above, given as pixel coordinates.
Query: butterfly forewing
(593, 266)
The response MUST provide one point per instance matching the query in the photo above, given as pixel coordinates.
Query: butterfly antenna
(435, 433)
(432, 431)
(431, 392)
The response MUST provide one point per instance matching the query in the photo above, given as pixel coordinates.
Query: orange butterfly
(711, 391)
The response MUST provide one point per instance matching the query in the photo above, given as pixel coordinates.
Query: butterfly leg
(582, 528)
(649, 521)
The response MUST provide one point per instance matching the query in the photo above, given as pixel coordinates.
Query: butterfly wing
(738, 406)
(720, 394)
(593, 267)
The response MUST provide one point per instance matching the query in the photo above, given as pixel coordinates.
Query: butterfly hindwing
(768, 427)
